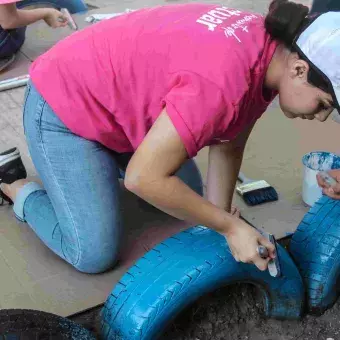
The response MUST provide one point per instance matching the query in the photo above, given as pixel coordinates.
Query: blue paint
(321, 161)
(315, 248)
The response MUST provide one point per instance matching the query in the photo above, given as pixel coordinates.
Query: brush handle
(243, 178)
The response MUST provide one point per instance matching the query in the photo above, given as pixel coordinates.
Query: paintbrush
(255, 192)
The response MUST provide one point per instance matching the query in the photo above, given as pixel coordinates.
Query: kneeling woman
(159, 84)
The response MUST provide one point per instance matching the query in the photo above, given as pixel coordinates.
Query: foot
(11, 190)
(6, 61)
(11, 170)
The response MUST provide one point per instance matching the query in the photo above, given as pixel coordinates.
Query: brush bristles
(260, 196)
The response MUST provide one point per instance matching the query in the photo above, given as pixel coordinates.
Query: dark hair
(284, 22)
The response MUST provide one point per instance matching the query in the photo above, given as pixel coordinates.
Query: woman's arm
(224, 165)
(150, 175)
(11, 17)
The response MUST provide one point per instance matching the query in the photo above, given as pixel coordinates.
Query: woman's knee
(96, 260)
(93, 250)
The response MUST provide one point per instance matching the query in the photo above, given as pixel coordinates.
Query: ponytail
(285, 20)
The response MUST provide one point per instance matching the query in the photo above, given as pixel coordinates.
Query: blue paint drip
(321, 161)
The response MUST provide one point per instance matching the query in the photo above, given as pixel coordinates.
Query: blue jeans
(77, 213)
(12, 40)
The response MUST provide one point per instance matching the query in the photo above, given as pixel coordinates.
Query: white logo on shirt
(230, 31)
(215, 17)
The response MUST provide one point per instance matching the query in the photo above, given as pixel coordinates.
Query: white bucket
(313, 163)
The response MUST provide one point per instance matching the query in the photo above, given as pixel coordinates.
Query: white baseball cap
(319, 44)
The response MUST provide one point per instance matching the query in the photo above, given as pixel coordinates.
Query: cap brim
(336, 112)
(336, 99)
(321, 31)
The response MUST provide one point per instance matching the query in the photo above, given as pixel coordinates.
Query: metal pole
(14, 82)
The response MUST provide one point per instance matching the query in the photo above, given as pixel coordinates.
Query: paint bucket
(314, 162)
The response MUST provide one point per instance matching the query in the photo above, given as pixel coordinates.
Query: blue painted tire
(183, 268)
(315, 247)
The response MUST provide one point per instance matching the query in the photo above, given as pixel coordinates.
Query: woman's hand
(11, 17)
(333, 192)
(55, 18)
(243, 241)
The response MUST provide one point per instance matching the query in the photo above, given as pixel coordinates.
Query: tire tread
(315, 247)
(170, 274)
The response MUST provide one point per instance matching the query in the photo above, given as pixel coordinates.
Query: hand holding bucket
(314, 163)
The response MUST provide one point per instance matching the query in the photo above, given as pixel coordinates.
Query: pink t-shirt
(205, 64)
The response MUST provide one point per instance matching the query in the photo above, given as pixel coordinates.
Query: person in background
(14, 19)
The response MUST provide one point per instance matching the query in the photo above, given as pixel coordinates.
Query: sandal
(11, 169)
(5, 62)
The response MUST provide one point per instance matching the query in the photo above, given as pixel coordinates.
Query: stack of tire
(197, 261)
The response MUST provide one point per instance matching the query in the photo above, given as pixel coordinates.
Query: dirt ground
(236, 313)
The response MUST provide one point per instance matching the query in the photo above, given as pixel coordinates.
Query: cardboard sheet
(33, 277)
